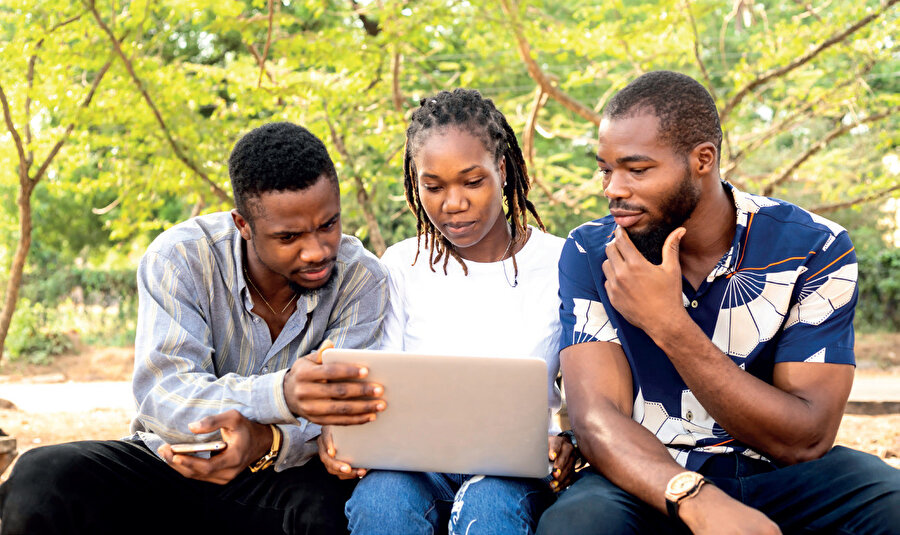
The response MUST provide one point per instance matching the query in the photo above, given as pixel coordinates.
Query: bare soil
(876, 354)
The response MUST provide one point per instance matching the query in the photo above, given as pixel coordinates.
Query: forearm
(627, 454)
(169, 400)
(784, 426)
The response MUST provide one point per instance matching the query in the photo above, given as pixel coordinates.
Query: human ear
(242, 224)
(705, 157)
(501, 169)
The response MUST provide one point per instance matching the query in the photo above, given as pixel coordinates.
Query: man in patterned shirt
(229, 305)
(707, 347)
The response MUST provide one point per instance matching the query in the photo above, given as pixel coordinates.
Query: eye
(639, 170)
(431, 188)
(330, 224)
(286, 238)
(475, 182)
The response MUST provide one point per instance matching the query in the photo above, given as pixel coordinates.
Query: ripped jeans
(419, 503)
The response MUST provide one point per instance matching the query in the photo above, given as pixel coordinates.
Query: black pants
(120, 486)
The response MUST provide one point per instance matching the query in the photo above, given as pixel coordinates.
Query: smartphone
(197, 447)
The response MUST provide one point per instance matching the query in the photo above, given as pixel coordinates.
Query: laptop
(453, 414)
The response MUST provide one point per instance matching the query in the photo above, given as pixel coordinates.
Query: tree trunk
(18, 263)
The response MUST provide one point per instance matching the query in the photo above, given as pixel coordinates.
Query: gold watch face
(680, 484)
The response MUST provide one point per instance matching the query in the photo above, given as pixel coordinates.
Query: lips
(459, 227)
(626, 218)
(316, 273)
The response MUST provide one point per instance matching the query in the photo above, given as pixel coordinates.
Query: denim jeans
(418, 503)
(843, 492)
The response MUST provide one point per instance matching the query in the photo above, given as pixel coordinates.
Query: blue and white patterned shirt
(200, 350)
(784, 292)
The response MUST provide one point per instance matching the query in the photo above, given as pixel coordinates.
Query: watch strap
(269, 458)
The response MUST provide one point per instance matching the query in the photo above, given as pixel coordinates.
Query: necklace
(247, 276)
(515, 281)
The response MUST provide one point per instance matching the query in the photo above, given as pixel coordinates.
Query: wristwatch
(681, 487)
(268, 459)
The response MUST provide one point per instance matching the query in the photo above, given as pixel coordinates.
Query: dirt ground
(876, 354)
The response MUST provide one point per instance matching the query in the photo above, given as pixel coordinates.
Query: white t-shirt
(478, 314)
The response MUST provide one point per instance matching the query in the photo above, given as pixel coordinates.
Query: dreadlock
(468, 110)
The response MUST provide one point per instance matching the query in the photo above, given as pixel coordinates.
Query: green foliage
(33, 336)
(879, 291)
(150, 148)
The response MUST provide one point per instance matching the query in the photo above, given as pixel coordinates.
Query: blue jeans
(418, 503)
(844, 492)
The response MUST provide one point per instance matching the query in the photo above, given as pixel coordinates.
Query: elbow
(804, 451)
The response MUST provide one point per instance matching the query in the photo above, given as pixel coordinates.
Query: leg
(301, 500)
(91, 487)
(497, 505)
(845, 491)
(594, 505)
(398, 502)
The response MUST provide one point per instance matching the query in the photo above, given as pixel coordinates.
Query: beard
(329, 284)
(677, 208)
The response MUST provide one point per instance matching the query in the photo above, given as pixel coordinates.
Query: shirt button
(255, 320)
(694, 304)
(265, 369)
(689, 416)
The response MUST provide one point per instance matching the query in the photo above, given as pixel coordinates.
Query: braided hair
(467, 110)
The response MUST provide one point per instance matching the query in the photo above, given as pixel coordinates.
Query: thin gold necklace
(247, 275)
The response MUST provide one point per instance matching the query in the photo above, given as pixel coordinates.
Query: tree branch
(537, 74)
(396, 93)
(835, 133)
(802, 60)
(260, 62)
(370, 25)
(824, 208)
(219, 192)
(265, 54)
(20, 149)
(362, 196)
(84, 104)
(709, 84)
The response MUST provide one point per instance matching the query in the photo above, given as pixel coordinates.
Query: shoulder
(354, 259)
(402, 252)
(778, 219)
(196, 239)
(591, 238)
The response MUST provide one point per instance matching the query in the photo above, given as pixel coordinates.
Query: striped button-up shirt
(200, 350)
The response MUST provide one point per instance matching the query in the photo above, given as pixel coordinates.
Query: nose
(615, 185)
(313, 249)
(455, 200)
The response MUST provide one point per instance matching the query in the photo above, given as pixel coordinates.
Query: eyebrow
(627, 159)
(464, 171)
(290, 232)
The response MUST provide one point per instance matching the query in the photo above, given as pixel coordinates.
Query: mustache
(316, 267)
(618, 204)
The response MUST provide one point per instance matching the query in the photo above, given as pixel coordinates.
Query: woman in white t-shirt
(476, 281)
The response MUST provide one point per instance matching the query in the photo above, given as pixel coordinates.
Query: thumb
(211, 423)
(671, 248)
(316, 356)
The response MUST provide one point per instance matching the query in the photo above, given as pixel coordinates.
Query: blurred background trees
(118, 117)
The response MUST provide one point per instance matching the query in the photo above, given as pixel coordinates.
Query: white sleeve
(395, 315)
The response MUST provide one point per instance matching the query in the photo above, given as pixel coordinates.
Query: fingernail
(379, 390)
(345, 468)
(552, 455)
(331, 452)
(380, 406)
(363, 372)
(372, 418)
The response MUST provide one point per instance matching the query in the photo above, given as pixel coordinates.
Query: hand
(712, 511)
(563, 455)
(247, 441)
(334, 466)
(647, 295)
(327, 394)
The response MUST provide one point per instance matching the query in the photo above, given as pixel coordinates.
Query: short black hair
(469, 111)
(686, 111)
(276, 157)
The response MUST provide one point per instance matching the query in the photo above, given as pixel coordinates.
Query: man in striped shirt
(233, 307)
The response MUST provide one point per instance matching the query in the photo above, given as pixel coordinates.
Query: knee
(45, 469)
(383, 497)
(596, 510)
